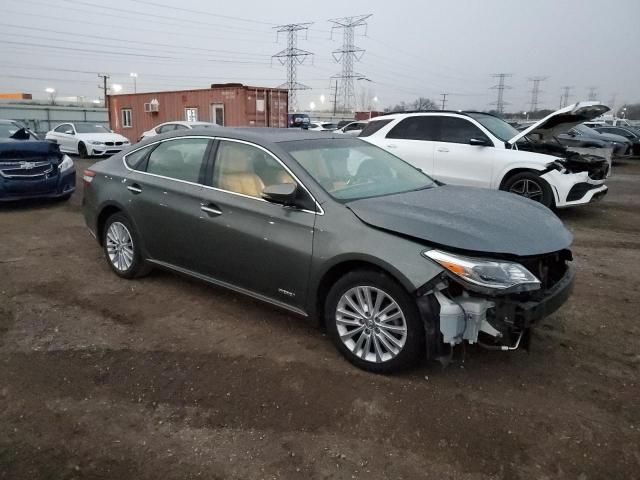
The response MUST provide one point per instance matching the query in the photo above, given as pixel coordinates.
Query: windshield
(351, 169)
(585, 130)
(496, 126)
(8, 129)
(83, 128)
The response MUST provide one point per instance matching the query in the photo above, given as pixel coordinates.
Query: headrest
(233, 162)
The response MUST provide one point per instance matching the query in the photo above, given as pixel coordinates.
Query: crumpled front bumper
(571, 189)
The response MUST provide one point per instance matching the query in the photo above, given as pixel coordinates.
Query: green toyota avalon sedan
(396, 266)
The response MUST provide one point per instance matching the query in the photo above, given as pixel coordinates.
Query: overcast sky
(417, 48)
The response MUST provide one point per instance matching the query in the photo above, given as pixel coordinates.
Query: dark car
(32, 168)
(298, 120)
(394, 265)
(583, 136)
(630, 133)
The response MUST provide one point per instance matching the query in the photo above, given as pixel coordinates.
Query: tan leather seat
(236, 174)
(284, 177)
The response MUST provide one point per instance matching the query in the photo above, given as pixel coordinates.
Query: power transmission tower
(104, 87)
(612, 102)
(348, 55)
(535, 92)
(444, 99)
(292, 56)
(501, 87)
(566, 93)
(593, 94)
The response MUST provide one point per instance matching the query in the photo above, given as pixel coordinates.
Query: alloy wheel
(528, 188)
(120, 246)
(371, 324)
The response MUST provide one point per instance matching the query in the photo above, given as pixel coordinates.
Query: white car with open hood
(482, 150)
(87, 139)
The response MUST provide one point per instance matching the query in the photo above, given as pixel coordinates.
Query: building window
(191, 114)
(126, 118)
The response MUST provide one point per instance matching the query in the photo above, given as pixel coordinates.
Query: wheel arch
(343, 266)
(515, 171)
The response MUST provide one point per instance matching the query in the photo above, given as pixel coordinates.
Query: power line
(292, 56)
(201, 12)
(535, 92)
(348, 55)
(501, 87)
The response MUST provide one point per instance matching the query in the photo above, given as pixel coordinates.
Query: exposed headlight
(66, 163)
(556, 165)
(95, 142)
(491, 274)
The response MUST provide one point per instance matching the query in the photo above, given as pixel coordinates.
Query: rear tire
(82, 150)
(531, 186)
(121, 245)
(374, 322)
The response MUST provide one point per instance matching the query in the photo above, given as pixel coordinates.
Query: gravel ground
(167, 378)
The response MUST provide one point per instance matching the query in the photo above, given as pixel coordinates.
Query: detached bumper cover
(567, 188)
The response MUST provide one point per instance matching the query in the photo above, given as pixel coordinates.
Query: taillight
(87, 176)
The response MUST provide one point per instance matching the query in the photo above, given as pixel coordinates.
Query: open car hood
(563, 120)
(475, 220)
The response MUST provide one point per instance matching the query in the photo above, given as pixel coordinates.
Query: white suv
(481, 150)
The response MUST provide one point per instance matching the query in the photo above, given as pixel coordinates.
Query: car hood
(103, 137)
(11, 150)
(612, 137)
(471, 219)
(563, 120)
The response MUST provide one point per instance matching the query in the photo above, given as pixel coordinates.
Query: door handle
(210, 209)
(135, 188)
(443, 149)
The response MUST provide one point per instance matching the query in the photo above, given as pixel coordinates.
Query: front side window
(246, 169)
(421, 127)
(459, 130)
(495, 125)
(167, 128)
(126, 118)
(191, 114)
(350, 169)
(64, 128)
(373, 126)
(182, 159)
(135, 159)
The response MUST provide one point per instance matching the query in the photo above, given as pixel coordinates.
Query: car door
(65, 136)
(412, 139)
(458, 162)
(262, 247)
(164, 190)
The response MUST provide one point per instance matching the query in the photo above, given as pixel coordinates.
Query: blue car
(32, 168)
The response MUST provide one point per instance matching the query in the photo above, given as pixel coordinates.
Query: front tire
(82, 150)
(531, 186)
(374, 322)
(121, 246)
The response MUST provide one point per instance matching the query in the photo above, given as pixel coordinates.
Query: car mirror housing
(481, 142)
(281, 193)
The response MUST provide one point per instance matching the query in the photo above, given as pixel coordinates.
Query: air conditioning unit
(152, 106)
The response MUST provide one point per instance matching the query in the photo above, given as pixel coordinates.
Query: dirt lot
(166, 378)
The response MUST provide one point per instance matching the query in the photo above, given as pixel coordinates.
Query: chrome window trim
(319, 211)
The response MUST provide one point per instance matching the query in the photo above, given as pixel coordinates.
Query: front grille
(548, 268)
(579, 190)
(25, 169)
(111, 144)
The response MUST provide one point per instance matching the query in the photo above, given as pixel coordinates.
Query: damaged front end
(597, 167)
(493, 303)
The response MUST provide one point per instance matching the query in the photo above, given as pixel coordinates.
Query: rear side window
(181, 159)
(136, 159)
(373, 126)
(416, 128)
(459, 130)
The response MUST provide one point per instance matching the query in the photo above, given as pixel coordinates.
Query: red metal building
(231, 105)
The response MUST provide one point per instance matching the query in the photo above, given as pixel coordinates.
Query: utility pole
(612, 102)
(335, 99)
(593, 94)
(566, 93)
(104, 78)
(501, 87)
(444, 99)
(535, 92)
(292, 56)
(348, 55)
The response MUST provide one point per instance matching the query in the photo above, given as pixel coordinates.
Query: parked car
(298, 120)
(178, 125)
(583, 136)
(353, 128)
(326, 225)
(32, 168)
(629, 133)
(482, 150)
(87, 140)
(322, 126)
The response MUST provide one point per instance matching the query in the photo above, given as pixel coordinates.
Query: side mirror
(479, 142)
(282, 193)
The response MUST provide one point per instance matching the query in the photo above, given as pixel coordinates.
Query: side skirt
(220, 283)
